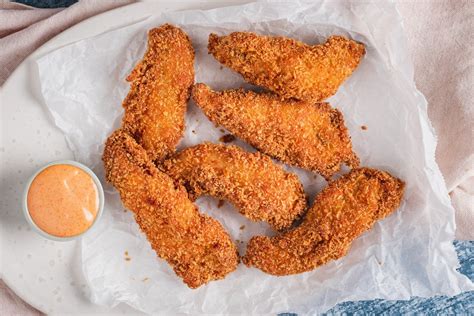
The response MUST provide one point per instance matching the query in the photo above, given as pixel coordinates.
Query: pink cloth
(440, 40)
(11, 304)
(24, 29)
(439, 35)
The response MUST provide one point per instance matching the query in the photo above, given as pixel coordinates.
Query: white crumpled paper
(408, 254)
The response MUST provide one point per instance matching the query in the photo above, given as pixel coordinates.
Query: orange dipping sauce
(63, 200)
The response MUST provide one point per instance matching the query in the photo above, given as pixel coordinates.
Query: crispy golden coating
(290, 68)
(345, 209)
(260, 189)
(195, 245)
(310, 136)
(159, 89)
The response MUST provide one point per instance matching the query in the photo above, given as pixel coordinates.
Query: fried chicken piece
(195, 245)
(260, 189)
(310, 136)
(159, 89)
(288, 67)
(345, 209)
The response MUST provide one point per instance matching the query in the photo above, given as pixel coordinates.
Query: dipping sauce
(63, 200)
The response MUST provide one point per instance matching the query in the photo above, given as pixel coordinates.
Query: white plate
(44, 273)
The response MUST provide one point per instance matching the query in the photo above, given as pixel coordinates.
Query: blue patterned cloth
(462, 304)
(47, 3)
(440, 305)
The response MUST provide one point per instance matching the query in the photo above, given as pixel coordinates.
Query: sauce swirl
(63, 200)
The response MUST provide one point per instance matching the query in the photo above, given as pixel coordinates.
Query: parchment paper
(408, 254)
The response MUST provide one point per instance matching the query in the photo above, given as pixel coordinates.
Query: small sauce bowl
(77, 168)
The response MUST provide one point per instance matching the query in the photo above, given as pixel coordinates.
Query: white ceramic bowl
(27, 188)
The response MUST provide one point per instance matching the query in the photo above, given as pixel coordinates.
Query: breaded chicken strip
(290, 68)
(345, 209)
(159, 89)
(260, 189)
(195, 245)
(310, 136)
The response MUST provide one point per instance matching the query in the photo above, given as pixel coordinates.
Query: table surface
(459, 304)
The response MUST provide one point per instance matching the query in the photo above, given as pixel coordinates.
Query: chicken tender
(306, 135)
(345, 209)
(159, 89)
(290, 68)
(195, 245)
(260, 189)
